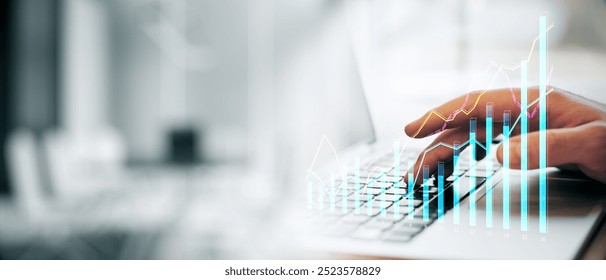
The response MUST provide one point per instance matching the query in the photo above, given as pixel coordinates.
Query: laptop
(352, 198)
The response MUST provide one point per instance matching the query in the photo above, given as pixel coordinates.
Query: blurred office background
(151, 128)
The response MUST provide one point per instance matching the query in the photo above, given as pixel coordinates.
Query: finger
(457, 112)
(562, 147)
(437, 151)
(442, 150)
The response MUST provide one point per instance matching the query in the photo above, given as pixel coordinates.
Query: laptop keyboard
(386, 212)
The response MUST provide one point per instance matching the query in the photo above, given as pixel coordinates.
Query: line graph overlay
(373, 175)
(453, 115)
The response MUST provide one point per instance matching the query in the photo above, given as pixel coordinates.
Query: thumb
(561, 148)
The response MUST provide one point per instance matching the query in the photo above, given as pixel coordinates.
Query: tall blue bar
(524, 145)
(440, 191)
(396, 175)
(488, 165)
(425, 193)
(506, 120)
(411, 186)
(383, 198)
(472, 172)
(456, 185)
(543, 124)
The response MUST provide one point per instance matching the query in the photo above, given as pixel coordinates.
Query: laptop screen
(322, 107)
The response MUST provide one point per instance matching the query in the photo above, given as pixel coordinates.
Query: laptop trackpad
(567, 196)
(574, 206)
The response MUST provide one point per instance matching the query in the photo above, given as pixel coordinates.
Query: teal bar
(506, 120)
(396, 174)
(332, 194)
(543, 124)
(455, 185)
(411, 186)
(383, 200)
(357, 186)
(472, 172)
(344, 190)
(440, 191)
(488, 165)
(425, 193)
(309, 196)
(524, 146)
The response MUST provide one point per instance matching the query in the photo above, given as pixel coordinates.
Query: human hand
(576, 134)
